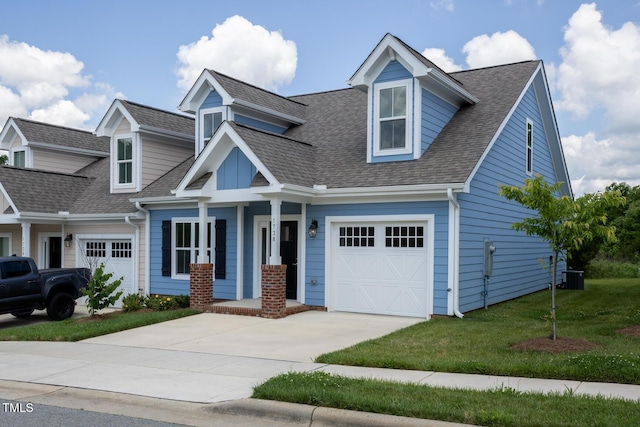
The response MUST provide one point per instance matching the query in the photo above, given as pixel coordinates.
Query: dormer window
(210, 120)
(20, 158)
(125, 158)
(393, 118)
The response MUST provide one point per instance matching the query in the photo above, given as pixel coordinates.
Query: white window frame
(134, 161)
(201, 122)
(408, 146)
(528, 144)
(192, 248)
(9, 238)
(25, 151)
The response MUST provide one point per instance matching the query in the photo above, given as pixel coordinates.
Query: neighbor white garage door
(117, 257)
(380, 268)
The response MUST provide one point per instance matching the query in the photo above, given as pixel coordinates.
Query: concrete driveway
(297, 338)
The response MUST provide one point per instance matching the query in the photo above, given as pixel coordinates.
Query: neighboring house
(66, 200)
(382, 198)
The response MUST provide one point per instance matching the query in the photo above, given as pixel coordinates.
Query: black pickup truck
(24, 289)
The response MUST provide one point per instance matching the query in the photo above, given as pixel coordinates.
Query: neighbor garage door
(117, 257)
(380, 268)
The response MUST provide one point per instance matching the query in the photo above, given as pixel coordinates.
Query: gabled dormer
(410, 100)
(44, 146)
(215, 97)
(145, 143)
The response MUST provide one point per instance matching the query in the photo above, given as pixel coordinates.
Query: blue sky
(64, 62)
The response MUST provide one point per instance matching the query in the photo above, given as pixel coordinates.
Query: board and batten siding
(159, 158)
(520, 260)
(315, 293)
(165, 285)
(236, 171)
(60, 162)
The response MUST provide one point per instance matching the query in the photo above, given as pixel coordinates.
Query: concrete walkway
(212, 358)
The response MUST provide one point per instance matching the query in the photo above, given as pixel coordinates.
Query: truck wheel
(61, 306)
(22, 314)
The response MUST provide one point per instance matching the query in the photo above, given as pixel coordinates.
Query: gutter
(454, 258)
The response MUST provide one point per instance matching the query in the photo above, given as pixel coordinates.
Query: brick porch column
(201, 286)
(274, 286)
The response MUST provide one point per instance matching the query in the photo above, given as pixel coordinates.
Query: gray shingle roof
(337, 127)
(255, 95)
(61, 136)
(160, 119)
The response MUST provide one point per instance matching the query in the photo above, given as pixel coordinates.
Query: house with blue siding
(379, 198)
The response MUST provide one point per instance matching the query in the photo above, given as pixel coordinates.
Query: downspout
(453, 203)
(147, 252)
(136, 259)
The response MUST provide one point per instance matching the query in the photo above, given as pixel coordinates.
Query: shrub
(183, 301)
(99, 292)
(133, 302)
(602, 268)
(161, 302)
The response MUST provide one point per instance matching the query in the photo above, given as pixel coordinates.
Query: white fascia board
(78, 217)
(8, 127)
(111, 120)
(214, 153)
(446, 81)
(501, 128)
(6, 196)
(71, 150)
(268, 111)
(199, 91)
(388, 49)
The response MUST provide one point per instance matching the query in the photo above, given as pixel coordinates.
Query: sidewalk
(213, 361)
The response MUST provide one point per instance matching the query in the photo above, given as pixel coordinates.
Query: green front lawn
(481, 342)
(81, 328)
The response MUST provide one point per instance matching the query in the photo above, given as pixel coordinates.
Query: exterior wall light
(313, 229)
(67, 240)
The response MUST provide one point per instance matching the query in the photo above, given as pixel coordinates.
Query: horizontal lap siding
(519, 260)
(223, 288)
(436, 113)
(315, 261)
(59, 162)
(159, 158)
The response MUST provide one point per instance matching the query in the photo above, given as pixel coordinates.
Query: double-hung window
(210, 120)
(529, 148)
(393, 117)
(124, 160)
(185, 238)
(20, 158)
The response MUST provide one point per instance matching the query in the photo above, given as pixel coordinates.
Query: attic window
(210, 120)
(125, 160)
(20, 159)
(393, 118)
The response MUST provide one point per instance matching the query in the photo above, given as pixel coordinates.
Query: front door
(289, 254)
(55, 252)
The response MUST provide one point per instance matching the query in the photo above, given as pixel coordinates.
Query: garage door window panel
(404, 237)
(357, 236)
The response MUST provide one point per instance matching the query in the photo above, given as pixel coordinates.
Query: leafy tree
(4, 159)
(566, 224)
(99, 292)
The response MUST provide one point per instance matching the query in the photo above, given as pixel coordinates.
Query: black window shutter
(166, 248)
(220, 263)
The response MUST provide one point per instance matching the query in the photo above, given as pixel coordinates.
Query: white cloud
(598, 77)
(37, 84)
(242, 50)
(594, 164)
(600, 69)
(443, 4)
(499, 48)
(440, 58)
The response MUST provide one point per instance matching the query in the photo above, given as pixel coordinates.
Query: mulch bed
(560, 345)
(633, 331)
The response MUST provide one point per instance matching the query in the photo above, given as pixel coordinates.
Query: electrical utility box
(489, 250)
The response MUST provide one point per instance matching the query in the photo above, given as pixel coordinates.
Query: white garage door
(117, 257)
(380, 268)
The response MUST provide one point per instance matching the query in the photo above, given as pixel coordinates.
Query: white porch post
(26, 239)
(275, 258)
(202, 237)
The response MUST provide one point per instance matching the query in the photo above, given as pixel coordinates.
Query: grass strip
(481, 342)
(502, 407)
(77, 329)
